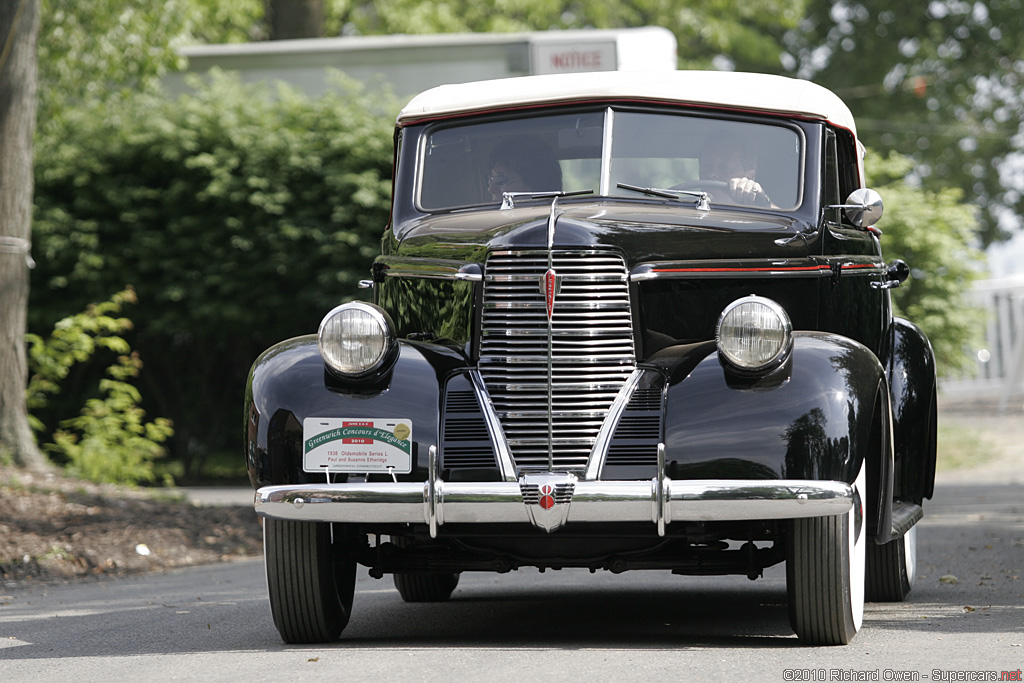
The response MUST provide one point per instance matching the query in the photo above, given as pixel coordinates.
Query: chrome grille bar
(552, 385)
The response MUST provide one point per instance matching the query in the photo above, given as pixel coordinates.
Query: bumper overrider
(548, 500)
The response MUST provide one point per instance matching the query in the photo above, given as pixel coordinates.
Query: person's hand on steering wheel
(748, 191)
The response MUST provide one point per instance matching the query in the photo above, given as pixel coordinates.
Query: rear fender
(913, 394)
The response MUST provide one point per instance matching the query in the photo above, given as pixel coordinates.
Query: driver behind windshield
(523, 165)
(728, 160)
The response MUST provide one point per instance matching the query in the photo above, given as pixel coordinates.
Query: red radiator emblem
(547, 496)
(550, 286)
(547, 501)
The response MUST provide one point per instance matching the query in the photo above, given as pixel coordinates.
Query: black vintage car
(619, 321)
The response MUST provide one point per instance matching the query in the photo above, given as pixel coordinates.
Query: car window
(472, 164)
(467, 164)
(685, 152)
(830, 172)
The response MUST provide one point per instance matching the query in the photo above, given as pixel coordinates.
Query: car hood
(642, 231)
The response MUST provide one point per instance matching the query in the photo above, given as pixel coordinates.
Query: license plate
(356, 445)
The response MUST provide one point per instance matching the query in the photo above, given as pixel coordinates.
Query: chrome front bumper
(552, 499)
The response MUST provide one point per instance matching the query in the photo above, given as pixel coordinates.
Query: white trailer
(412, 63)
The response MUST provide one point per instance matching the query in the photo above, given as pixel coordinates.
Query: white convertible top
(728, 89)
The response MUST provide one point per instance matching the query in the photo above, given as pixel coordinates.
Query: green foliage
(933, 231)
(227, 21)
(104, 49)
(938, 81)
(238, 214)
(212, 203)
(74, 340)
(744, 35)
(109, 440)
(101, 49)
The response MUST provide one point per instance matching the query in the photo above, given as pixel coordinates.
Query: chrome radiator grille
(552, 384)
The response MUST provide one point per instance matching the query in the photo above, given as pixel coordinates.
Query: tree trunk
(295, 19)
(19, 28)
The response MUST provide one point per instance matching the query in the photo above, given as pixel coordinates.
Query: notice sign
(356, 445)
(560, 58)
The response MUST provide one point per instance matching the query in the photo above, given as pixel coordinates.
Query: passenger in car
(523, 165)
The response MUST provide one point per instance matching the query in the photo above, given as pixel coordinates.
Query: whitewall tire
(825, 574)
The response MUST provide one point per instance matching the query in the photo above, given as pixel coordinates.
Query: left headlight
(356, 339)
(754, 334)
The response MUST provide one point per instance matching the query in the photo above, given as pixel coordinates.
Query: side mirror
(863, 207)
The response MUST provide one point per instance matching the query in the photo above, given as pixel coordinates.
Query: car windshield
(613, 153)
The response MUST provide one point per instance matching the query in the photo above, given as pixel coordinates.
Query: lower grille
(465, 442)
(636, 437)
(552, 382)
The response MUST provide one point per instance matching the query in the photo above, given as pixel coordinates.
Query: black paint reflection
(810, 427)
(810, 449)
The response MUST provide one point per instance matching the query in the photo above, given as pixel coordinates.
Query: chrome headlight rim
(783, 347)
(328, 335)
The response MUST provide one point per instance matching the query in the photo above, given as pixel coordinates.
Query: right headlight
(754, 334)
(357, 339)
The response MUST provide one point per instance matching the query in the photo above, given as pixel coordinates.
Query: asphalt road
(213, 623)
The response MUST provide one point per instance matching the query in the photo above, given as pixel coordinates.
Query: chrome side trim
(506, 465)
(756, 268)
(434, 269)
(611, 421)
(660, 502)
(646, 275)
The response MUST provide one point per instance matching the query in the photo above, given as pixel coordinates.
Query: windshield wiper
(508, 199)
(702, 203)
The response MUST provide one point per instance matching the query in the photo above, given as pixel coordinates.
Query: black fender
(912, 387)
(289, 383)
(817, 417)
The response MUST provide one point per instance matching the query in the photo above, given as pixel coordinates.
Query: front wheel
(311, 580)
(825, 575)
(892, 568)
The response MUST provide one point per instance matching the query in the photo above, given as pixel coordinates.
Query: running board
(904, 516)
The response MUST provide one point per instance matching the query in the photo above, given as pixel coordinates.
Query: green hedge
(238, 214)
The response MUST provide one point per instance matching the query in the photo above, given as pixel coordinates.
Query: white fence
(998, 369)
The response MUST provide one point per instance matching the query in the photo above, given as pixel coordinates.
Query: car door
(853, 302)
